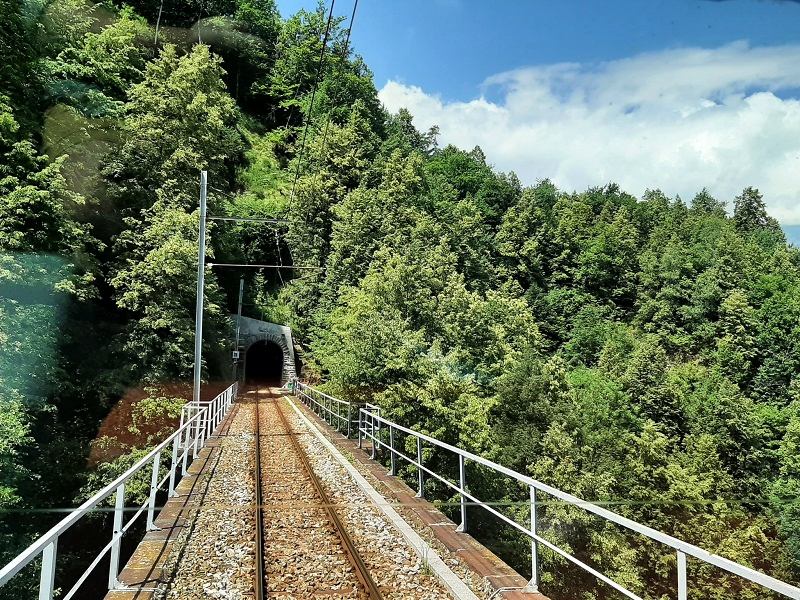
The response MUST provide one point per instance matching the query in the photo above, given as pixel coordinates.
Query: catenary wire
(344, 57)
(311, 103)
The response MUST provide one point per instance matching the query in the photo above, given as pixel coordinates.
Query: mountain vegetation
(639, 352)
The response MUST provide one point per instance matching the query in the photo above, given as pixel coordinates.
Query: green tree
(156, 284)
(179, 120)
(19, 72)
(704, 203)
(97, 71)
(607, 264)
(736, 344)
(750, 212)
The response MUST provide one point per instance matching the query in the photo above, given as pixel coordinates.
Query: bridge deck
(156, 563)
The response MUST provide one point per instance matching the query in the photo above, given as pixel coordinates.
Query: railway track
(304, 549)
(260, 554)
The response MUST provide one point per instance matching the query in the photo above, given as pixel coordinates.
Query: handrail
(310, 396)
(370, 423)
(191, 435)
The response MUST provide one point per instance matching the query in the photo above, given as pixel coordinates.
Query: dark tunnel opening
(264, 363)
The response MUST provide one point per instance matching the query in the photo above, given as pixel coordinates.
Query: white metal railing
(337, 413)
(371, 424)
(198, 421)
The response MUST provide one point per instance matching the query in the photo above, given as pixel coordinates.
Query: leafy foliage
(638, 352)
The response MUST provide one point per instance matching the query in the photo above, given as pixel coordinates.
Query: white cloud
(678, 120)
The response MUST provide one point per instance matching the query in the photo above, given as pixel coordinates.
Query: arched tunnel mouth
(264, 363)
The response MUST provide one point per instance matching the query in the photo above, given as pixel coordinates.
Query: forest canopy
(640, 352)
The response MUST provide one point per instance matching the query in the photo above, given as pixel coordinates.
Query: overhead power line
(240, 219)
(311, 104)
(345, 54)
(247, 220)
(280, 257)
(249, 266)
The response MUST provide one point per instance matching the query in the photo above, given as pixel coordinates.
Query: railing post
(683, 593)
(349, 419)
(378, 435)
(533, 584)
(174, 465)
(462, 477)
(47, 577)
(392, 467)
(420, 472)
(359, 429)
(119, 507)
(151, 509)
(185, 446)
(198, 429)
(372, 433)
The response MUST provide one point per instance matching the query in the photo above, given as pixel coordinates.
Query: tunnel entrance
(264, 363)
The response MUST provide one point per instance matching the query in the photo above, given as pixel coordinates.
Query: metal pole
(198, 440)
(462, 476)
(533, 584)
(47, 576)
(420, 473)
(185, 444)
(201, 271)
(238, 329)
(372, 433)
(116, 537)
(151, 508)
(359, 428)
(175, 443)
(392, 468)
(682, 588)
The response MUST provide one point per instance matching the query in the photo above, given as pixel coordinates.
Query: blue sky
(674, 94)
(451, 46)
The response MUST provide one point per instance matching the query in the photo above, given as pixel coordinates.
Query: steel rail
(360, 568)
(260, 550)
